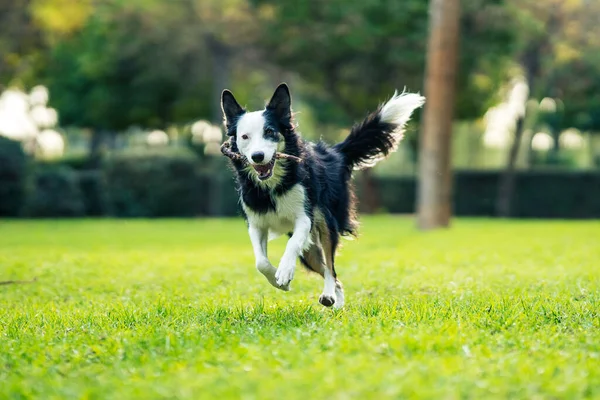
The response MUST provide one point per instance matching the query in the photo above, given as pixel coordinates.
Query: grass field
(175, 309)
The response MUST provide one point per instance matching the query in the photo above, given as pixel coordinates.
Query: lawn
(175, 309)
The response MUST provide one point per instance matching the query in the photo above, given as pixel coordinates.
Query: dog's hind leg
(333, 287)
(329, 242)
(259, 238)
(315, 258)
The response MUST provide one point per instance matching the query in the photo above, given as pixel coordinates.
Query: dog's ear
(231, 108)
(281, 103)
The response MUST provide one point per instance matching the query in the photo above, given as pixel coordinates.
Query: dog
(311, 201)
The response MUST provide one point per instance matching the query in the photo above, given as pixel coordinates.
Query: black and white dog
(312, 201)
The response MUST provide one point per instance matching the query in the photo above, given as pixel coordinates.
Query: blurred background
(111, 107)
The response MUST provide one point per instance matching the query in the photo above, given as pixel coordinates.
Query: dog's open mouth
(264, 170)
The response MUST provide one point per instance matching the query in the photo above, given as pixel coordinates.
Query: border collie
(311, 201)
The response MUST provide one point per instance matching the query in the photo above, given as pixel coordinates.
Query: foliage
(13, 177)
(56, 194)
(94, 191)
(164, 183)
(20, 42)
(78, 162)
(154, 184)
(130, 65)
(360, 50)
(57, 18)
(558, 43)
(579, 86)
(113, 64)
(139, 309)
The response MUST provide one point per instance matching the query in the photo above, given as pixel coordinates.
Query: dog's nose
(259, 156)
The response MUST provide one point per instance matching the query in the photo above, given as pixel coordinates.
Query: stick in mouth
(226, 150)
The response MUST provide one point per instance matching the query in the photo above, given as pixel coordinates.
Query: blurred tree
(229, 29)
(27, 28)
(559, 53)
(573, 74)
(56, 18)
(357, 51)
(434, 203)
(142, 62)
(20, 41)
(134, 63)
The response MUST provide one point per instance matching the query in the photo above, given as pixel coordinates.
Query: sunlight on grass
(175, 309)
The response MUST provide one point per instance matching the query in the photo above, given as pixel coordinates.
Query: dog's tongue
(263, 170)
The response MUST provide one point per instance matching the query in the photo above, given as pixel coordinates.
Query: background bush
(13, 177)
(94, 191)
(176, 183)
(56, 193)
(538, 194)
(154, 184)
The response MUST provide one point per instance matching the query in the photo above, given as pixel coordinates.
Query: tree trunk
(530, 61)
(434, 203)
(506, 187)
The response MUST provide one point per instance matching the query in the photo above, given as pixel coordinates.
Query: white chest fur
(288, 208)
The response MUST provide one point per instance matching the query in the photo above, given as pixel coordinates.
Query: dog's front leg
(259, 238)
(299, 241)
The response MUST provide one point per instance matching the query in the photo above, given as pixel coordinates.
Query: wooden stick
(17, 282)
(290, 157)
(226, 150)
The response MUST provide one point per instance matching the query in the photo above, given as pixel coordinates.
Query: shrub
(159, 183)
(56, 193)
(78, 162)
(537, 194)
(13, 177)
(94, 191)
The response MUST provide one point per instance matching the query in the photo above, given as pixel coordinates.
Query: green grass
(175, 309)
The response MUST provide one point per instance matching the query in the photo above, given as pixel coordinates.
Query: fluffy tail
(378, 135)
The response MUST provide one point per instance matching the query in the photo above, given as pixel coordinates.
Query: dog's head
(259, 134)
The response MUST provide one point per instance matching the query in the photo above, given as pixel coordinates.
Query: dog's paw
(284, 275)
(327, 300)
(339, 297)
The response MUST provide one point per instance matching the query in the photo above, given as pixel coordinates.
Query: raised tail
(378, 135)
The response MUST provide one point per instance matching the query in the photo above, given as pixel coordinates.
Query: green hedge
(538, 194)
(94, 191)
(154, 185)
(78, 162)
(13, 177)
(557, 195)
(167, 183)
(56, 194)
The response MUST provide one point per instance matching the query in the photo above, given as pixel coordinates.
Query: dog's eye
(245, 137)
(269, 131)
